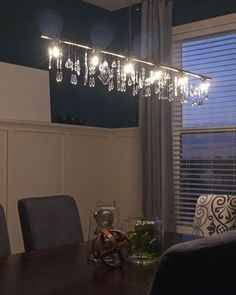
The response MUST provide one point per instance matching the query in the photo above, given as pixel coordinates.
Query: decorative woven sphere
(111, 247)
(104, 218)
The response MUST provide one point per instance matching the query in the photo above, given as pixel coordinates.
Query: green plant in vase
(146, 246)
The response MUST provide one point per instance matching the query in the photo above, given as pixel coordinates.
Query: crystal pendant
(105, 77)
(191, 92)
(111, 82)
(130, 82)
(194, 102)
(140, 83)
(75, 79)
(50, 58)
(101, 67)
(111, 85)
(200, 103)
(91, 81)
(77, 67)
(118, 76)
(197, 92)
(59, 75)
(105, 74)
(134, 90)
(77, 61)
(69, 63)
(123, 86)
(143, 74)
(156, 90)
(85, 67)
(72, 79)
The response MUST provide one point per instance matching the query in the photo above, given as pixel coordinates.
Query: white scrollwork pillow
(214, 214)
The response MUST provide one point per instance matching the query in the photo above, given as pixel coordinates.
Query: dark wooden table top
(67, 271)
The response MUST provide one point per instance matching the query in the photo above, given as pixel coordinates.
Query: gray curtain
(155, 117)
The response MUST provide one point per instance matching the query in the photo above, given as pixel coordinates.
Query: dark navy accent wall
(22, 23)
(186, 11)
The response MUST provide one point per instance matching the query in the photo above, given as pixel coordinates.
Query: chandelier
(88, 66)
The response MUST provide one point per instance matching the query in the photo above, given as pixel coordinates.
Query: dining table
(66, 270)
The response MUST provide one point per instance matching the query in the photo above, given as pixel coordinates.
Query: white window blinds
(205, 137)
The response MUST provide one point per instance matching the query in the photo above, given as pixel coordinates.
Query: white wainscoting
(95, 165)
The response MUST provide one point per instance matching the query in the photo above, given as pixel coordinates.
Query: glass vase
(101, 217)
(146, 239)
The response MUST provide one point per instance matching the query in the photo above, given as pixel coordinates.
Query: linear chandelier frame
(173, 69)
(120, 72)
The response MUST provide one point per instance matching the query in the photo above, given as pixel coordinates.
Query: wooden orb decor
(111, 247)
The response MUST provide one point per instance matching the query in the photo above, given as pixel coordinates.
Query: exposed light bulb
(204, 86)
(128, 68)
(55, 51)
(95, 60)
(149, 81)
(157, 75)
(182, 81)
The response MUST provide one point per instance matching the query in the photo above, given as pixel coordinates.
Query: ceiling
(112, 4)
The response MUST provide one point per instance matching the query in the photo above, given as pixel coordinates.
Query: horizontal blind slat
(205, 160)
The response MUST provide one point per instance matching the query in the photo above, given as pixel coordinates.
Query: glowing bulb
(128, 68)
(95, 60)
(149, 80)
(55, 51)
(204, 86)
(182, 81)
(157, 75)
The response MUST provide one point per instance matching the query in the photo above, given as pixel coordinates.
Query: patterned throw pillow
(214, 214)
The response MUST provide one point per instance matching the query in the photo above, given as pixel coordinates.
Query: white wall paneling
(126, 172)
(87, 171)
(95, 165)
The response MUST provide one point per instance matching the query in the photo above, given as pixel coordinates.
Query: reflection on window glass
(214, 57)
(207, 166)
(205, 158)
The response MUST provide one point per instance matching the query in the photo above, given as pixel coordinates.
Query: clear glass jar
(104, 216)
(146, 239)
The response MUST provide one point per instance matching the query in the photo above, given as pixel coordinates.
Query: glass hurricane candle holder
(102, 217)
(146, 239)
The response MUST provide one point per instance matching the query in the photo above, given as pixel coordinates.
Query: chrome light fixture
(119, 72)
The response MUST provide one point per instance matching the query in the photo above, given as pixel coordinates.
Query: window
(204, 137)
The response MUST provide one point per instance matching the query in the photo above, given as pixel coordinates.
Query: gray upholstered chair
(214, 214)
(49, 222)
(4, 238)
(199, 267)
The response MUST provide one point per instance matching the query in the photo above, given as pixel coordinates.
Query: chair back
(203, 266)
(49, 222)
(4, 237)
(214, 214)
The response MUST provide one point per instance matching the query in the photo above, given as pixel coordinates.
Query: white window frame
(197, 29)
